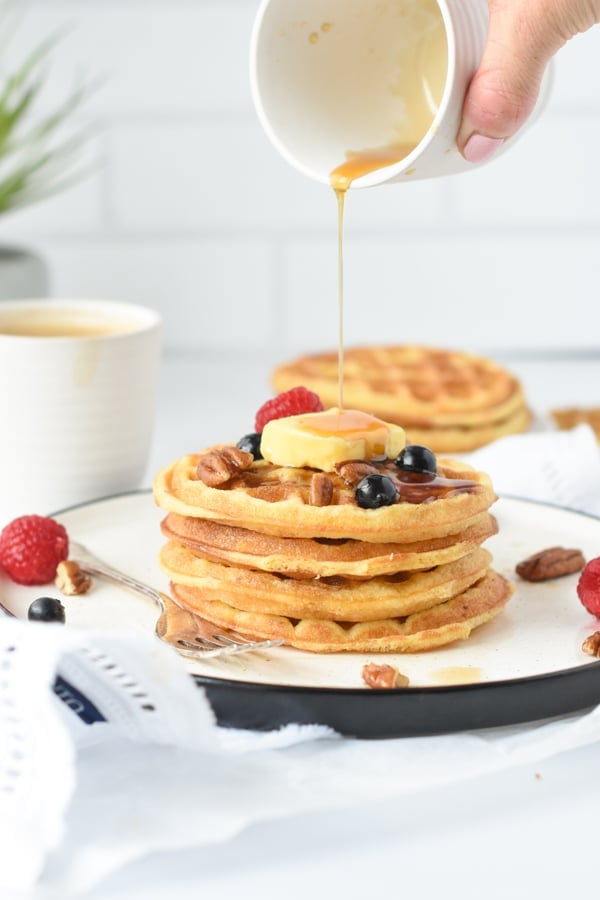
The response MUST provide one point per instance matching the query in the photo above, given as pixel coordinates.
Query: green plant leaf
(21, 76)
(36, 160)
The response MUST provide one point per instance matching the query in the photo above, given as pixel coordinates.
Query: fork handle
(94, 566)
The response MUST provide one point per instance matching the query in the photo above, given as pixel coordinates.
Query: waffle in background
(567, 418)
(448, 400)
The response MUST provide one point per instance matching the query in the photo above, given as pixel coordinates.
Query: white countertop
(529, 831)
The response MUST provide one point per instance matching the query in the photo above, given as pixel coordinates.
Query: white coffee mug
(336, 77)
(77, 405)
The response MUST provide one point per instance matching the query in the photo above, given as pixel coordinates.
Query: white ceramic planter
(23, 274)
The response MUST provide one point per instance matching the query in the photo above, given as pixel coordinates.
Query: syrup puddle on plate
(456, 675)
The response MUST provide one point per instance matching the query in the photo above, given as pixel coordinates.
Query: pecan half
(550, 563)
(321, 489)
(383, 676)
(591, 645)
(219, 466)
(355, 470)
(70, 579)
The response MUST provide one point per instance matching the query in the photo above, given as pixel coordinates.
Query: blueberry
(46, 609)
(417, 459)
(375, 491)
(251, 444)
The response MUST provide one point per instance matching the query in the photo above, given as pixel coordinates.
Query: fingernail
(479, 147)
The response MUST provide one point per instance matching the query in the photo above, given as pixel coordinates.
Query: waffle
(316, 558)
(273, 500)
(441, 624)
(450, 401)
(457, 439)
(400, 594)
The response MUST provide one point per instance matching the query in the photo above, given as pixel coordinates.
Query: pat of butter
(321, 440)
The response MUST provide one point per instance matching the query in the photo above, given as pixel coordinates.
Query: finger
(504, 90)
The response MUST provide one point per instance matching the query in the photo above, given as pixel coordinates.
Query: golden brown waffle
(449, 400)
(308, 558)
(455, 439)
(440, 624)
(274, 500)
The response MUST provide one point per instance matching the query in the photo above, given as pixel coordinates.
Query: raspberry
(291, 403)
(588, 587)
(31, 548)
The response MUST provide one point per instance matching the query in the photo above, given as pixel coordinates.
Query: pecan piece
(219, 466)
(550, 563)
(383, 676)
(70, 579)
(321, 489)
(591, 645)
(355, 470)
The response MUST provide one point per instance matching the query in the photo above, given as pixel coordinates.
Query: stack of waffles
(277, 551)
(451, 401)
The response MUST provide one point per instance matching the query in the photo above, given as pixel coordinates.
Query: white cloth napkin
(78, 801)
(559, 467)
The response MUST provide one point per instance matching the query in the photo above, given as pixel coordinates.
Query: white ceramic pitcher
(336, 77)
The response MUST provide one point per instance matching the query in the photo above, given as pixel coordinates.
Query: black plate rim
(470, 688)
(410, 712)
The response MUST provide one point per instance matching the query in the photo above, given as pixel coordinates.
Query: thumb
(503, 92)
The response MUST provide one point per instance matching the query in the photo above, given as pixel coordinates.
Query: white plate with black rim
(525, 665)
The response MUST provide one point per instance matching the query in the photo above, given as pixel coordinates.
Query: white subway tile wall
(190, 210)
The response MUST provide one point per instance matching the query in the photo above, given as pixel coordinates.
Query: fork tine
(234, 640)
(208, 646)
(202, 648)
(192, 651)
(254, 645)
(210, 642)
(221, 640)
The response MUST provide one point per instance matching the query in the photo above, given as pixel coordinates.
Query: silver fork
(191, 635)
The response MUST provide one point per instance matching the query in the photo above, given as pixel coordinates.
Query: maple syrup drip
(365, 161)
(343, 422)
(350, 424)
(419, 487)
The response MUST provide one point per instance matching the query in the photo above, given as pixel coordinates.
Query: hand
(523, 36)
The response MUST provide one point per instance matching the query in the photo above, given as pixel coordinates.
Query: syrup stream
(341, 196)
(340, 179)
